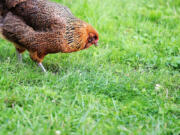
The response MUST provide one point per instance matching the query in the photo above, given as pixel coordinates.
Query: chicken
(42, 27)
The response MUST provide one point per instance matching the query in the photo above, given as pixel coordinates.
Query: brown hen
(44, 27)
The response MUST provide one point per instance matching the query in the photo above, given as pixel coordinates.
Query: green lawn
(129, 85)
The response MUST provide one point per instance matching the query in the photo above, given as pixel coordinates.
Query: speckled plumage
(44, 27)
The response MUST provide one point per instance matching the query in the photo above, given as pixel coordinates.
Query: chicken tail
(7, 5)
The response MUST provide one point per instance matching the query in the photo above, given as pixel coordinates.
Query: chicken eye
(90, 40)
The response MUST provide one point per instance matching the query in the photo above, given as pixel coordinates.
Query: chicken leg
(38, 58)
(19, 56)
(42, 67)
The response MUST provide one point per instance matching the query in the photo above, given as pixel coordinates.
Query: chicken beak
(96, 44)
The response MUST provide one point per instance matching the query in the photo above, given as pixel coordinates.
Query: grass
(130, 84)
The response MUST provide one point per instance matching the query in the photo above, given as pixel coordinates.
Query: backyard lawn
(128, 85)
